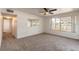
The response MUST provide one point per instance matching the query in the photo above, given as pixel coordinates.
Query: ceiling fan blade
(45, 9)
(53, 10)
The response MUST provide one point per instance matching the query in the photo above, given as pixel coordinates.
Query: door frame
(3, 24)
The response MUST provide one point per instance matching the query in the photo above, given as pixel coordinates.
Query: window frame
(60, 30)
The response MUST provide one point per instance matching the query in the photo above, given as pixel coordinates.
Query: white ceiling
(36, 11)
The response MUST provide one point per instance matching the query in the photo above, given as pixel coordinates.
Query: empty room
(39, 29)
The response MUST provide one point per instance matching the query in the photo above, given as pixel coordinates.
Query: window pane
(66, 24)
(57, 24)
(53, 23)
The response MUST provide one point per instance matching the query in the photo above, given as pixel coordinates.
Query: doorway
(8, 26)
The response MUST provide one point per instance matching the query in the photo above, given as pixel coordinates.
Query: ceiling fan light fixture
(42, 13)
(45, 13)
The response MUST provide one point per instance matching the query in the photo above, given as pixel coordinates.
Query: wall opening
(8, 26)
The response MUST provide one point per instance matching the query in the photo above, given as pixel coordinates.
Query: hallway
(7, 35)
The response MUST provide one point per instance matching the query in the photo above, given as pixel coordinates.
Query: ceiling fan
(48, 11)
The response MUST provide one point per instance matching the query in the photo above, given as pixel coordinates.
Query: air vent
(9, 10)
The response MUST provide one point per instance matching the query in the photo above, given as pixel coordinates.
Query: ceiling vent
(10, 11)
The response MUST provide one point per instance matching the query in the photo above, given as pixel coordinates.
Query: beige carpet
(41, 42)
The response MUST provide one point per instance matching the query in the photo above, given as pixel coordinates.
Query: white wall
(0, 28)
(22, 29)
(14, 27)
(48, 28)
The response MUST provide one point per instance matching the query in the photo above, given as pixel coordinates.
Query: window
(66, 24)
(56, 24)
(53, 23)
(62, 24)
(33, 22)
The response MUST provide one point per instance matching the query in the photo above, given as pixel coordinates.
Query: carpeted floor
(41, 42)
